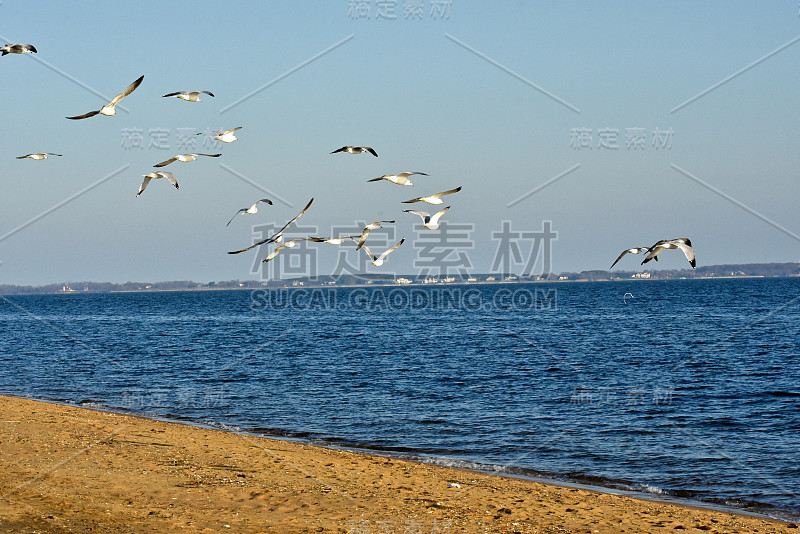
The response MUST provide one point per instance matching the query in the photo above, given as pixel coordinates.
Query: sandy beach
(69, 469)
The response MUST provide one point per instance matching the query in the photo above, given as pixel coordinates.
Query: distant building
(403, 281)
(641, 275)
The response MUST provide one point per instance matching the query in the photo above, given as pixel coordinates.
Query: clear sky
(619, 123)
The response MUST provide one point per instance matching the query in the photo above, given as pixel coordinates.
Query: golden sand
(68, 469)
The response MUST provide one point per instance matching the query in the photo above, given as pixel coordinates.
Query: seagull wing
(171, 177)
(686, 246)
(232, 130)
(339, 150)
(128, 90)
(293, 220)
(363, 239)
(654, 251)
(387, 252)
(372, 256)
(450, 192)
(209, 93)
(435, 218)
(52, 154)
(85, 115)
(25, 156)
(176, 93)
(371, 151)
(237, 213)
(264, 200)
(144, 184)
(274, 253)
(165, 163)
(424, 214)
(209, 155)
(618, 258)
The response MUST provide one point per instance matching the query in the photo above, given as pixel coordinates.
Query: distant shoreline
(10, 290)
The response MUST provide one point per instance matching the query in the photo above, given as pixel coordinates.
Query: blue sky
(489, 97)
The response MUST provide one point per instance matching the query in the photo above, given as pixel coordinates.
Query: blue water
(690, 388)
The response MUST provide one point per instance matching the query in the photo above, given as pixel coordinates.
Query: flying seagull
(377, 261)
(365, 232)
(277, 237)
(108, 109)
(160, 174)
(184, 158)
(356, 150)
(189, 96)
(287, 244)
(225, 136)
(430, 222)
(433, 199)
(399, 179)
(38, 156)
(17, 49)
(252, 209)
(682, 243)
(635, 250)
(332, 240)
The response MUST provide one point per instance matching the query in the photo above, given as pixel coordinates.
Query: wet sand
(68, 469)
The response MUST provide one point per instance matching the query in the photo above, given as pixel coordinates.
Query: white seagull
(251, 210)
(399, 179)
(287, 244)
(332, 240)
(433, 199)
(160, 174)
(682, 243)
(635, 250)
(38, 156)
(108, 109)
(277, 237)
(189, 96)
(365, 232)
(377, 261)
(430, 222)
(356, 150)
(17, 49)
(225, 136)
(184, 158)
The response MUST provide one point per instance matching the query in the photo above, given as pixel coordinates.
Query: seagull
(332, 240)
(635, 250)
(377, 261)
(252, 209)
(277, 237)
(224, 136)
(38, 156)
(399, 179)
(682, 243)
(431, 223)
(160, 174)
(108, 109)
(189, 96)
(356, 150)
(365, 232)
(433, 199)
(288, 244)
(17, 49)
(184, 158)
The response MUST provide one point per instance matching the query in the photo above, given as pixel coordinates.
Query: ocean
(686, 389)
